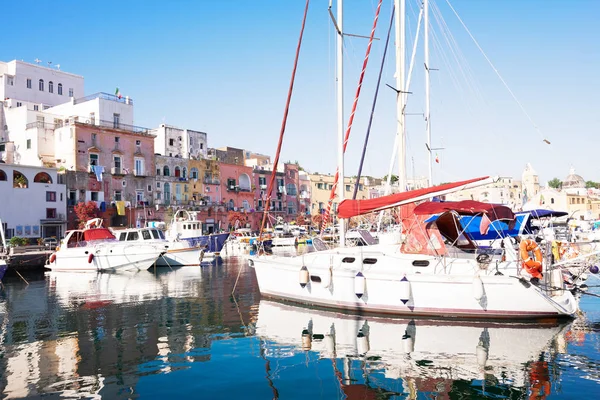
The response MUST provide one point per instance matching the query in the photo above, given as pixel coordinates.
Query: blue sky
(224, 67)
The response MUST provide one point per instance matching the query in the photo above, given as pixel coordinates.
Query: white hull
(184, 257)
(444, 288)
(454, 349)
(107, 256)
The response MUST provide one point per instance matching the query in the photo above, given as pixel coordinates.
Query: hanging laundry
(120, 207)
(98, 170)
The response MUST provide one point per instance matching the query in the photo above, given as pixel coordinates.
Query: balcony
(263, 187)
(138, 172)
(109, 124)
(212, 181)
(39, 125)
(116, 171)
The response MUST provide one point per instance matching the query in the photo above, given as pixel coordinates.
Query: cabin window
(315, 278)
(420, 263)
(369, 261)
(348, 259)
(133, 236)
(146, 235)
(122, 236)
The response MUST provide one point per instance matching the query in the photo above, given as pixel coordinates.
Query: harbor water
(181, 334)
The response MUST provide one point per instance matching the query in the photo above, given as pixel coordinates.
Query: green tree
(592, 185)
(555, 183)
(393, 180)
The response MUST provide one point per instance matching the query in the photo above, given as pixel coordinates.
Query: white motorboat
(185, 227)
(178, 253)
(454, 350)
(95, 248)
(3, 252)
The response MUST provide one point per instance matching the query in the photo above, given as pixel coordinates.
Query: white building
(31, 83)
(182, 143)
(33, 201)
(506, 191)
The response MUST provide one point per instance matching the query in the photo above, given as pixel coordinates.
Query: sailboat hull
(393, 285)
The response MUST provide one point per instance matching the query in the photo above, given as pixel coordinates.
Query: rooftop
(104, 96)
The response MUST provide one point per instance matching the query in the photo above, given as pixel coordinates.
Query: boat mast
(340, 115)
(427, 87)
(400, 10)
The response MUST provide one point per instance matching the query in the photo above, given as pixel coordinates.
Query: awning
(543, 213)
(352, 208)
(466, 207)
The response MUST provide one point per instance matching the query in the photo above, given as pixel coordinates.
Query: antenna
(49, 63)
(37, 61)
(57, 66)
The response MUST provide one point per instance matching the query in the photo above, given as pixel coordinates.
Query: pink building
(236, 188)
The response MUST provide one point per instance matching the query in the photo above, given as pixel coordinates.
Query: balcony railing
(40, 125)
(138, 172)
(105, 96)
(109, 124)
(116, 171)
(212, 181)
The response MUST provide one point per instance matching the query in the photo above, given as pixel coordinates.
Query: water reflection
(160, 334)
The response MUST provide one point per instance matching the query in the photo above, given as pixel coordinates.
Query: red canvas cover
(466, 207)
(352, 208)
(97, 234)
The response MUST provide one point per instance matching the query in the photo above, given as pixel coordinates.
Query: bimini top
(542, 213)
(466, 207)
(352, 208)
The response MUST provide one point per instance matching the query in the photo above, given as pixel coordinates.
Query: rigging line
(352, 113)
(283, 124)
(364, 151)
(497, 73)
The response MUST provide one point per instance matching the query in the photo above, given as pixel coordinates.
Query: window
(158, 185)
(93, 159)
(117, 139)
(347, 188)
(246, 205)
(185, 188)
(138, 142)
(42, 177)
(279, 182)
(50, 87)
(94, 196)
(117, 164)
(149, 188)
(184, 173)
(291, 189)
(158, 171)
(166, 171)
(118, 195)
(19, 104)
(319, 186)
(41, 85)
(28, 143)
(28, 83)
(60, 89)
(139, 196)
(171, 142)
(71, 92)
(133, 235)
(231, 183)
(50, 213)
(330, 187)
(194, 173)
(262, 180)
(139, 166)
(146, 235)
(201, 146)
(50, 196)
(177, 171)
(36, 107)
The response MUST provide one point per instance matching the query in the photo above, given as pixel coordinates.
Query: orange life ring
(532, 266)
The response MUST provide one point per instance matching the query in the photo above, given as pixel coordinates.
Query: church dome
(573, 180)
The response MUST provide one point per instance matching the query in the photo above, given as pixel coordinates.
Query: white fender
(359, 285)
(482, 354)
(477, 287)
(405, 290)
(330, 343)
(408, 343)
(306, 340)
(303, 276)
(362, 343)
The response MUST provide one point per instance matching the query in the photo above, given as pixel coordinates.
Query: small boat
(95, 248)
(178, 253)
(3, 252)
(185, 227)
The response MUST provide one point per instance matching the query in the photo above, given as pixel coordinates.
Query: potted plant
(20, 181)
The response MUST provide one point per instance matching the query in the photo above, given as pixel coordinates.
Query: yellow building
(321, 186)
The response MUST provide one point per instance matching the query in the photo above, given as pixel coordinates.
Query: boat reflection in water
(394, 356)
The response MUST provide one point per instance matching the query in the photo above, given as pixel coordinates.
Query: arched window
(166, 171)
(60, 89)
(244, 182)
(3, 176)
(42, 177)
(41, 85)
(177, 172)
(50, 87)
(194, 173)
(291, 189)
(19, 180)
(184, 173)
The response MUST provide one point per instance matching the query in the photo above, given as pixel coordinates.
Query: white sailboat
(383, 279)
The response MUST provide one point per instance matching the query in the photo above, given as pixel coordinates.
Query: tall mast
(340, 114)
(400, 10)
(427, 85)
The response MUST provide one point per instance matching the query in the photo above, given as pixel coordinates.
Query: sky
(224, 67)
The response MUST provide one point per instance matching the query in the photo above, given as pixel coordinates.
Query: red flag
(437, 159)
